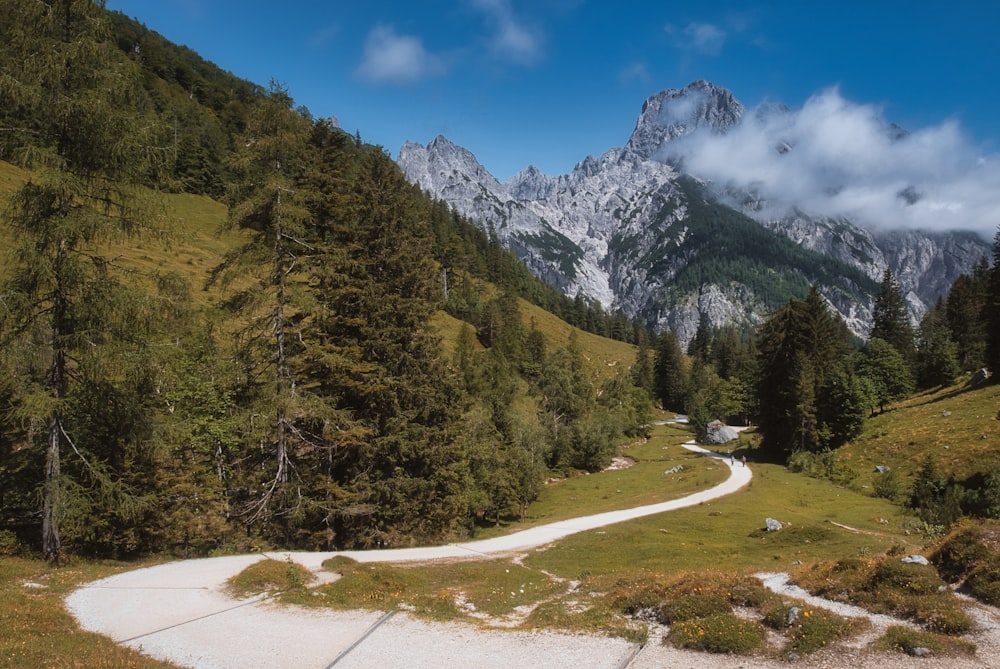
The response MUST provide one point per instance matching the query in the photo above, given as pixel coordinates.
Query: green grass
(269, 577)
(640, 484)
(37, 631)
(955, 426)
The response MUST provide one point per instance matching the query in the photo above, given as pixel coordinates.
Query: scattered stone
(674, 470)
(881, 469)
(919, 651)
(772, 524)
(945, 413)
(979, 377)
(916, 559)
(792, 656)
(793, 616)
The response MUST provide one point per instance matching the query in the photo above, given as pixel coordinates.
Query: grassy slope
(957, 426)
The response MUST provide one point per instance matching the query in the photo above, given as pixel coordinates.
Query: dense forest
(312, 403)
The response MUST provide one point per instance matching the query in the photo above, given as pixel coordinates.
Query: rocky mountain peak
(529, 184)
(677, 112)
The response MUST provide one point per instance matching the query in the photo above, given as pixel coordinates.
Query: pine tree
(803, 351)
(992, 310)
(937, 354)
(670, 372)
(890, 318)
(269, 201)
(965, 309)
(90, 147)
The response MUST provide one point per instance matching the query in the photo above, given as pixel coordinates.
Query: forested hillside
(179, 375)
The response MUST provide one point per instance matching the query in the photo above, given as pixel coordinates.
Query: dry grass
(37, 631)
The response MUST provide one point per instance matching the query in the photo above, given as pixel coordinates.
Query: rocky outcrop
(632, 231)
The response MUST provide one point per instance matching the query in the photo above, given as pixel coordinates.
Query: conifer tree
(669, 372)
(89, 146)
(890, 318)
(803, 351)
(937, 354)
(992, 310)
(266, 200)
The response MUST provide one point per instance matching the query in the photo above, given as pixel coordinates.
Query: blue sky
(547, 82)
(550, 81)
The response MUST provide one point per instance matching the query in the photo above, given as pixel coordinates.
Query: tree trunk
(51, 547)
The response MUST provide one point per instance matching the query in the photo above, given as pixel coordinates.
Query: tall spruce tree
(890, 318)
(992, 310)
(803, 351)
(89, 144)
(267, 201)
(670, 372)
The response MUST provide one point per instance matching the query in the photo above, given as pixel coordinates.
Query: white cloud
(399, 59)
(512, 40)
(635, 72)
(845, 159)
(706, 38)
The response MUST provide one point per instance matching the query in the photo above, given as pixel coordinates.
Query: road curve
(179, 611)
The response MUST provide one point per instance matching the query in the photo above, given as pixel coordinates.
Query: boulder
(916, 559)
(772, 524)
(718, 432)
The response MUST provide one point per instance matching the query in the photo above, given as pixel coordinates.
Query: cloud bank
(837, 158)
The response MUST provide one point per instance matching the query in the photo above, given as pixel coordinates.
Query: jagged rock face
(623, 227)
(674, 113)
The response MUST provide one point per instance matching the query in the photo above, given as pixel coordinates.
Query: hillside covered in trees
(298, 389)
(309, 401)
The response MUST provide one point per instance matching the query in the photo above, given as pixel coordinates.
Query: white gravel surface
(180, 612)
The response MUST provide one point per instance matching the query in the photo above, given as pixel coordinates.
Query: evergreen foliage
(891, 319)
(77, 324)
(808, 401)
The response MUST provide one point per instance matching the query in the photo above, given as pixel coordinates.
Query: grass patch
(905, 640)
(834, 523)
(641, 484)
(887, 585)
(37, 631)
(269, 576)
(955, 426)
(721, 633)
(971, 553)
(477, 591)
(809, 630)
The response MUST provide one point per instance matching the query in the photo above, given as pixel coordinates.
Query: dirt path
(180, 612)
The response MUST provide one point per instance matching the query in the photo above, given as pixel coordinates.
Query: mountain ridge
(597, 229)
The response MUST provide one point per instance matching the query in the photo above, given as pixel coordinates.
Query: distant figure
(732, 458)
(744, 461)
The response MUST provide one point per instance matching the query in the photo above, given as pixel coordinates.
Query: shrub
(269, 576)
(972, 553)
(722, 633)
(904, 640)
(814, 630)
(691, 607)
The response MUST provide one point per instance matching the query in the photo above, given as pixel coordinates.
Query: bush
(887, 485)
(722, 633)
(904, 640)
(972, 553)
(691, 607)
(269, 576)
(816, 629)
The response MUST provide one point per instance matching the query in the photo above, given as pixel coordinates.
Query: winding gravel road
(180, 612)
